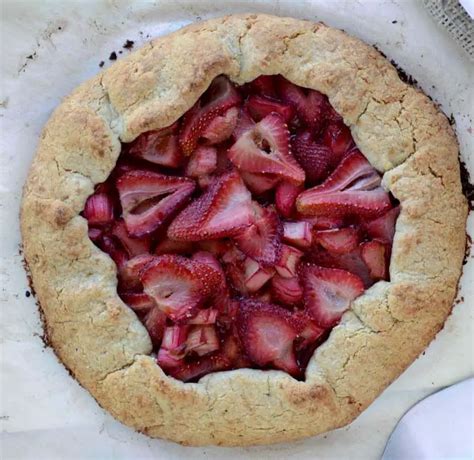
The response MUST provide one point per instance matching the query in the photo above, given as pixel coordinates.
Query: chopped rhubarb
(374, 255)
(287, 264)
(287, 291)
(297, 233)
(202, 340)
(99, 209)
(339, 240)
(255, 275)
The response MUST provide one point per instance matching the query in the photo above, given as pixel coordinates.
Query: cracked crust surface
(102, 341)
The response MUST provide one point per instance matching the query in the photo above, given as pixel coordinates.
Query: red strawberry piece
(219, 97)
(263, 295)
(203, 161)
(99, 209)
(202, 340)
(297, 233)
(133, 246)
(338, 138)
(265, 149)
(352, 189)
(260, 106)
(155, 323)
(310, 332)
(287, 264)
(328, 292)
(221, 294)
(317, 160)
(150, 199)
(244, 124)
(168, 361)
(168, 246)
(374, 254)
(255, 275)
(325, 222)
(221, 127)
(232, 350)
(267, 333)
(138, 301)
(95, 234)
(234, 268)
(208, 258)
(264, 85)
(130, 272)
(114, 250)
(259, 183)
(383, 228)
(160, 147)
(223, 210)
(216, 247)
(193, 371)
(310, 105)
(207, 316)
(285, 198)
(261, 240)
(338, 241)
(287, 291)
(178, 285)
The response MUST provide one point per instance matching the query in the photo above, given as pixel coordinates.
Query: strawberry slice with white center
(285, 198)
(244, 124)
(383, 228)
(338, 138)
(265, 149)
(223, 210)
(317, 160)
(374, 254)
(168, 246)
(339, 240)
(287, 291)
(267, 333)
(287, 264)
(99, 209)
(138, 301)
(221, 127)
(216, 101)
(259, 183)
(352, 189)
(150, 199)
(114, 250)
(129, 274)
(328, 292)
(264, 85)
(155, 323)
(160, 147)
(203, 161)
(310, 105)
(178, 285)
(133, 246)
(260, 106)
(262, 239)
(297, 233)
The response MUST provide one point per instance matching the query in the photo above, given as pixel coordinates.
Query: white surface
(45, 414)
(440, 426)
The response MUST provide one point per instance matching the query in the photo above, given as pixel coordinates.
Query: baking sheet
(48, 48)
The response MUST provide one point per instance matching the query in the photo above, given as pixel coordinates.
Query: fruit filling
(243, 232)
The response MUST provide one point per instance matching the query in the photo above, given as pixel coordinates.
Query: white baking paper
(48, 48)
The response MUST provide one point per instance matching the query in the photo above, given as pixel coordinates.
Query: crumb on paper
(113, 56)
(128, 45)
(101, 64)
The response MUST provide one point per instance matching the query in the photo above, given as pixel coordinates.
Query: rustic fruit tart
(243, 232)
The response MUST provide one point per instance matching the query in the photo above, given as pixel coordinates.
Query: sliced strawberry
(133, 246)
(216, 101)
(265, 149)
(223, 210)
(259, 183)
(285, 198)
(202, 340)
(288, 262)
(328, 292)
(256, 275)
(114, 250)
(216, 247)
(130, 272)
(193, 371)
(155, 323)
(244, 124)
(310, 105)
(316, 159)
(203, 161)
(138, 301)
(168, 361)
(160, 147)
(220, 295)
(232, 350)
(150, 199)
(206, 316)
(352, 189)
(99, 209)
(338, 138)
(267, 333)
(338, 241)
(264, 85)
(221, 127)
(287, 291)
(178, 285)
(374, 254)
(325, 222)
(260, 106)
(383, 228)
(297, 233)
(234, 268)
(95, 234)
(264, 294)
(168, 246)
(310, 332)
(262, 240)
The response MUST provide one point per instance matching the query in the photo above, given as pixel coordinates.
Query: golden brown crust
(102, 341)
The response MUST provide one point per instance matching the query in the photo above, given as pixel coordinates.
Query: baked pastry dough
(103, 343)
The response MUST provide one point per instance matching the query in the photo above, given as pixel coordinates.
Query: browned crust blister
(102, 341)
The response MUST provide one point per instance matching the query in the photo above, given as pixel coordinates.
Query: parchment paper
(48, 48)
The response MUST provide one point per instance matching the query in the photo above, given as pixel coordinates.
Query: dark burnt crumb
(120, 52)
(467, 185)
(101, 64)
(113, 56)
(128, 45)
(467, 252)
(27, 293)
(29, 57)
(394, 21)
(403, 75)
(451, 119)
(60, 28)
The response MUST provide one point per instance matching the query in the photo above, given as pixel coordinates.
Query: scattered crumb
(451, 119)
(128, 45)
(113, 56)
(27, 293)
(101, 64)
(394, 21)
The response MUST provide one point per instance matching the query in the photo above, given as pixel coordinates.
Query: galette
(243, 232)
